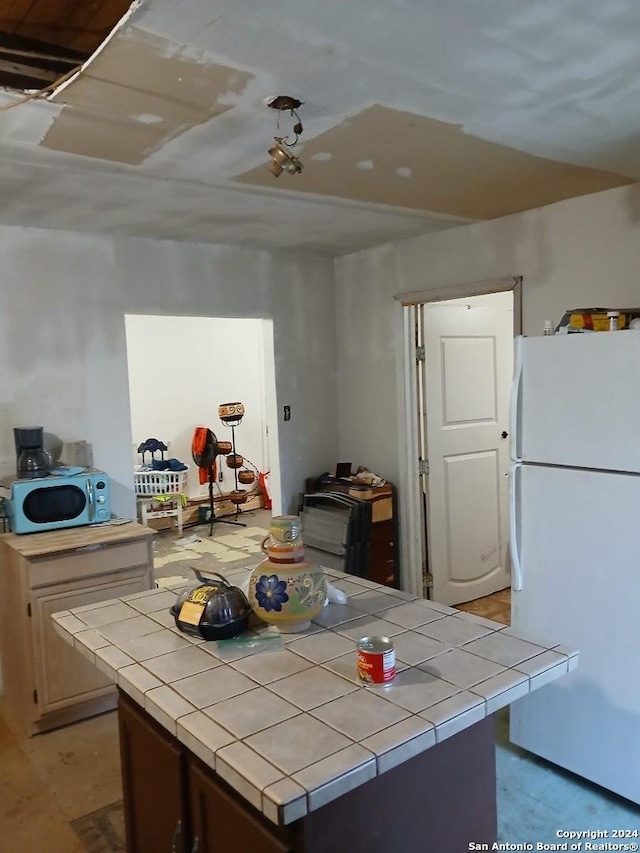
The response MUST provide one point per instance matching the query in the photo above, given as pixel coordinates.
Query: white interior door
(467, 379)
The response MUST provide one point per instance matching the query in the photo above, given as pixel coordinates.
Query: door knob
(504, 434)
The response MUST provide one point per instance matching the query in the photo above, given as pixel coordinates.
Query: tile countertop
(293, 728)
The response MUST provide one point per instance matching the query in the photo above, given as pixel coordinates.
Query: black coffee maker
(32, 459)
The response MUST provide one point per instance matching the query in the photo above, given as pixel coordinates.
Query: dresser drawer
(381, 510)
(88, 561)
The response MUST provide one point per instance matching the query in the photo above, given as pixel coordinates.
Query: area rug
(102, 831)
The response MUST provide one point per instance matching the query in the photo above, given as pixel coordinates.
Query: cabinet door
(222, 823)
(63, 676)
(154, 784)
(382, 565)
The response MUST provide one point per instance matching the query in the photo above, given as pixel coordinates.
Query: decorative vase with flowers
(285, 589)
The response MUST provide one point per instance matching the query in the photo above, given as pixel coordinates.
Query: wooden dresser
(46, 682)
(366, 541)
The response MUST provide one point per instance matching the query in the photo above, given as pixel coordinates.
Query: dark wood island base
(436, 802)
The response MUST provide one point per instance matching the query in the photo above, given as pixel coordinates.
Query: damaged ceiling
(417, 116)
(42, 40)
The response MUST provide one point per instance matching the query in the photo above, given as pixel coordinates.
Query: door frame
(411, 575)
(268, 399)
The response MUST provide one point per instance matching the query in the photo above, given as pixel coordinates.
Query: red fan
(204, 450)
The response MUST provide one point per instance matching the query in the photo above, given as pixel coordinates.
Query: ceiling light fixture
(282, 159)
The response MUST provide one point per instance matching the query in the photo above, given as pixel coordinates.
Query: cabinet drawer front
(382, 510)
(88, 561)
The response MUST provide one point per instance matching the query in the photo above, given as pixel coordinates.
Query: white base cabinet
(48, 683)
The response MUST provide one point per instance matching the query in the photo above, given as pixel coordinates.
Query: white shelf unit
(160, 494)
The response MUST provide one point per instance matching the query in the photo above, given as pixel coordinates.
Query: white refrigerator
(575, 545)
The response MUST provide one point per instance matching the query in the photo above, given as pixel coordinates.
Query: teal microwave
(55, 502)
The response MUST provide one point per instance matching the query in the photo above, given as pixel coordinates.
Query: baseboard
(222, 506)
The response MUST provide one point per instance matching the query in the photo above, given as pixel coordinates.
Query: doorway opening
(458, 364)
(181, 369)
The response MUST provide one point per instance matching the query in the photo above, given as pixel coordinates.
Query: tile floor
(228, 548)
(50, 781)
(496, 606)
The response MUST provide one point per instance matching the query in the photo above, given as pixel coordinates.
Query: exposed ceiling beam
(30, 64)
(42, 75)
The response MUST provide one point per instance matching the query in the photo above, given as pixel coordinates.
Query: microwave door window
(55, 503)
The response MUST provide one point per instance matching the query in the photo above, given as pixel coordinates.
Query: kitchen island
(233, 749)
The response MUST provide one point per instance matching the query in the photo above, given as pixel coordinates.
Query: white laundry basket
(159, 482)
(149, 485)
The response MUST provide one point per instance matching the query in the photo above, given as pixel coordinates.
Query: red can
(376, 660)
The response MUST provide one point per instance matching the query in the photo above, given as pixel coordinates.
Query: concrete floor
(536, 799)
(49, 781)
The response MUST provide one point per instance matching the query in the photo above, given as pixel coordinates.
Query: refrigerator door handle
(515, 399)
(514, 526)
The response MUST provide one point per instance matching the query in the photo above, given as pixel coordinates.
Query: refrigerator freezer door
(579, 401)
(580, 553)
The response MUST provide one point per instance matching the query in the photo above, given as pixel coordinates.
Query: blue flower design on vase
(270, 592)
(285, 590)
